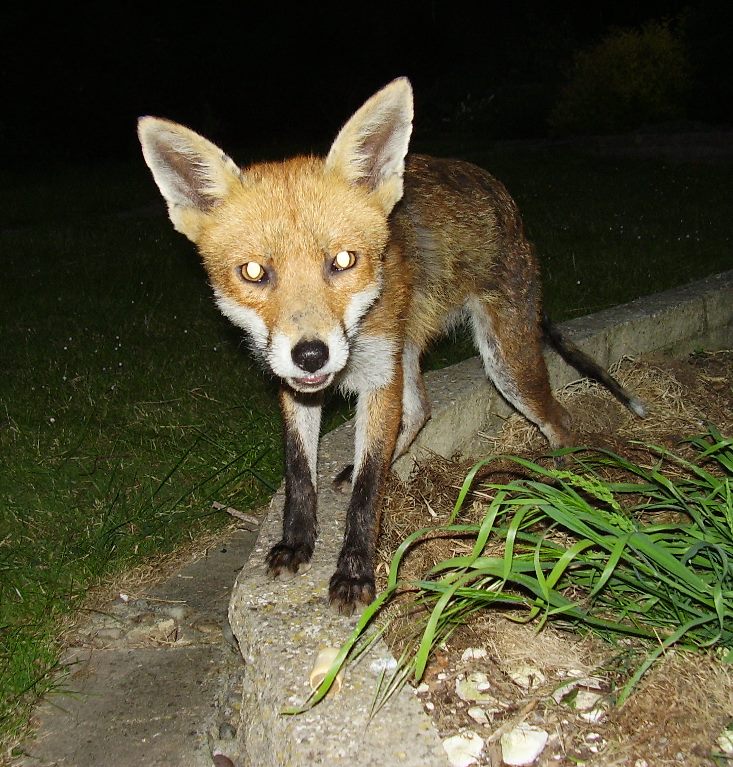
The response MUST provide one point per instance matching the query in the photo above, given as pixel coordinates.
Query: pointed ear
(370, 149)
(193, 174)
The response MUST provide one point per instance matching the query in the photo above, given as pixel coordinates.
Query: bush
(630, 78)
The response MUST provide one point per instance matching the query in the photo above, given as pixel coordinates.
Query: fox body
(341, 270)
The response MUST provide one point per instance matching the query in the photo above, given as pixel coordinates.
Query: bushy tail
(589, 367)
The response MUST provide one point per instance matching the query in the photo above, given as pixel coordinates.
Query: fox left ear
(370, 149)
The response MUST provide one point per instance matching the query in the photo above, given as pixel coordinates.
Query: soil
(682, 705)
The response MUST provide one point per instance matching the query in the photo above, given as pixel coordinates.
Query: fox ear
(193, 174)
(370, 149)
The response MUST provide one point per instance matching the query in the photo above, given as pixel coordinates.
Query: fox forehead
(292, 209)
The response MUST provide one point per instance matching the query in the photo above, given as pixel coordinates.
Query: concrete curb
(282, 625)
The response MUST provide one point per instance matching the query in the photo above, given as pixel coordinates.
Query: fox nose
(310, 355)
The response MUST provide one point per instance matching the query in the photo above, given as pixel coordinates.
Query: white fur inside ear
(370, 149)
(189, 170)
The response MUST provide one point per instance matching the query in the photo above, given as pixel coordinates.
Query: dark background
(285, 76)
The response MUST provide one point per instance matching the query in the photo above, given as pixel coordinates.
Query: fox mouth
(311, 382)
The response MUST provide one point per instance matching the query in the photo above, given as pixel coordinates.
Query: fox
(342, 270)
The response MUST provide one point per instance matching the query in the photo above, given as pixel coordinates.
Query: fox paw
(284, 557)
(347, 592)
(342, 481)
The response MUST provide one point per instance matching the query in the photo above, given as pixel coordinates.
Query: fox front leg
(378, 414)
(301, 424)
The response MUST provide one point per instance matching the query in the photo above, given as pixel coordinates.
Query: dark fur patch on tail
(589, 367)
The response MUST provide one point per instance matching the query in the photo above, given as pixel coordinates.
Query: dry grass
(685, 702)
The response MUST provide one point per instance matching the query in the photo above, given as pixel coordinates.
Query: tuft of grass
(589, 552)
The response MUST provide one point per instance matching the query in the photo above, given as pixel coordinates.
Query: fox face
(294, 251)
(301, 270)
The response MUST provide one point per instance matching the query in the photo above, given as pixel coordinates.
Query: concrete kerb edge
(282, 625)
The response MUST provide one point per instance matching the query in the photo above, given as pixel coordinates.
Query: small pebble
(464, 749)
(473, 653)
(526, 676)
(177, 612)
(523, 744)
(207, 627)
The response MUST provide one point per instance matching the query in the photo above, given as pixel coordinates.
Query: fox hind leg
(509, 341)
(415, 402)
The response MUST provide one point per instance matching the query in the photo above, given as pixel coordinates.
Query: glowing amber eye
(253, 272)
(345, 259)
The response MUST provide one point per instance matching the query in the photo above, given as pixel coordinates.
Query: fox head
(294, 250)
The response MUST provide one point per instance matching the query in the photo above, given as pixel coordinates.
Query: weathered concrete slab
(282, 625)
(154, 680)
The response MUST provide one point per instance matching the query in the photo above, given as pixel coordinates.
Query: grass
(575, 547)
(127, 404)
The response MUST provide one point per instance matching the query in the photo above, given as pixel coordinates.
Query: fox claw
(285, 557)
(347, 592)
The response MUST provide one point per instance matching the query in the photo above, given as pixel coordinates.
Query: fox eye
(253, 272)
(344, 259)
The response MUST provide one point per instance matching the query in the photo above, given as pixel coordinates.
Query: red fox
(341, 270)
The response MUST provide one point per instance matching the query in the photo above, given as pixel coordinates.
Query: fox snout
(310, 362)
(311, 356)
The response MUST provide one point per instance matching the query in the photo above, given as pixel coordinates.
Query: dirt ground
(508, 671)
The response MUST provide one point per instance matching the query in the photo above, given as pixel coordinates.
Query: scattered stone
(523, 744)
(177, 612)
(463, 749)
(478, 715)
(595, 715)
(589, 682)
(586, 700)
(527, 677)
(422, 689)
(207, 626)
(473, 653)
(383, 665)
(474, 687)
(109, 634)
(725, 741)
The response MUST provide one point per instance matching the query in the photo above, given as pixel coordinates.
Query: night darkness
(261, 75)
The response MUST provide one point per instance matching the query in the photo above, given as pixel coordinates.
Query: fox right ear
(193, 174)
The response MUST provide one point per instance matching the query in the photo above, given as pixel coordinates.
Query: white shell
(478, 715)
(725, 741)
(320, 668)
(464, 749)
(474, 687)
(473, 653)
(527, 677)
(523, 744)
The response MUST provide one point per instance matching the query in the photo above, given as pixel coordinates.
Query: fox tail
(589, 367)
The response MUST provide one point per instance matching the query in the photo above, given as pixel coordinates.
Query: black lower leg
(299, 515)
(353, 581)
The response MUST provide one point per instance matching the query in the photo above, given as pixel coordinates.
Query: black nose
(310, 355)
